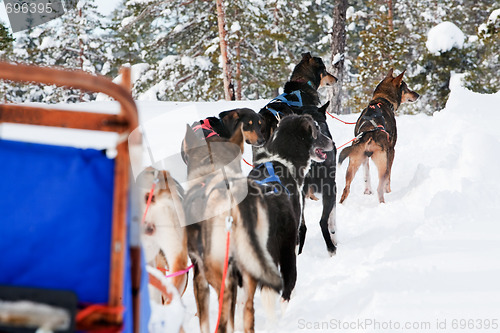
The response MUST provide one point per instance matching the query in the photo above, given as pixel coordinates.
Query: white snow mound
(443, 37)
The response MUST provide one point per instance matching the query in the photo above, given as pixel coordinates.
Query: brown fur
(380, 135)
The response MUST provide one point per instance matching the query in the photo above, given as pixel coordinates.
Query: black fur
(285, 206)
(306, 77)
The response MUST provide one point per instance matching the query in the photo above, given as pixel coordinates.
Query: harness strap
(205, 125)
(273, 178)
(284, 98)
(376, 128)
(275, 113)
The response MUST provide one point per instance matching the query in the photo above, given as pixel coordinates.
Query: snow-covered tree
(6, 42)
(264, 40)
(483, 77)
(380, 48)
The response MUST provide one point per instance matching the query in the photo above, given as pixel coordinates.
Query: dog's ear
(389, 74)
(238, 138)
(308, 125)
(397, 81)
(190, 139)
(230, 119)
(323, 108)
(306, 56)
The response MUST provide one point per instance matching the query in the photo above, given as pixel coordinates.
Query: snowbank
(443, 37)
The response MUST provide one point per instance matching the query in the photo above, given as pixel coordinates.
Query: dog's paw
(368, 191)
(284, 306)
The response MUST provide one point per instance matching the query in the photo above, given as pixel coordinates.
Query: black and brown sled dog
(376, 134)
(281, 170)
(301, 97)
(217, 192)
(227, 124)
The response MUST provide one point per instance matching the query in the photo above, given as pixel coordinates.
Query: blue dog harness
(291, 99)
(273, 178)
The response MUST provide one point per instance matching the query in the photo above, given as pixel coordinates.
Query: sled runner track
(111, 314)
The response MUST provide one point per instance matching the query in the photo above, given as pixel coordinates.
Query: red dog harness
(205, 126)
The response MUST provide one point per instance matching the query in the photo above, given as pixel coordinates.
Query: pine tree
(380, 48)
(73, 41)
(264, 40)
(6, 42)
(483, 77)
(6, 47)
(25, 50)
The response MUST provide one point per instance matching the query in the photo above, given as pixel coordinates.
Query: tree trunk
(337, 56)
(238, 72)
(226, 64)
(390, 15)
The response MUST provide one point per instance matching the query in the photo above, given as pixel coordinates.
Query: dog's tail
(250, 236)
(345, 153)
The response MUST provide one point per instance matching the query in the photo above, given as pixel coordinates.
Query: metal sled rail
(123, 123)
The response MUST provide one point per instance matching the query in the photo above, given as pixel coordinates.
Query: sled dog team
(294, 157)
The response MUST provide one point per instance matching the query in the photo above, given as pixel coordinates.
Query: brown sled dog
(376, 134)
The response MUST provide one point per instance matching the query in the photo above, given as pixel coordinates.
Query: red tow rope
(247, 163)
(345, 122)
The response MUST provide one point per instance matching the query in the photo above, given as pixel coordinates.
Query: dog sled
(69, 260)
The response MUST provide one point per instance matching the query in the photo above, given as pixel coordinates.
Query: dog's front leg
(202, 295)
(226, 323)
(250, 285)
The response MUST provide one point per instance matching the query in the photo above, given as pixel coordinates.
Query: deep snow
(427, 258)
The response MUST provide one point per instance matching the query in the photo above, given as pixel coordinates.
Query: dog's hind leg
(390, 160)
(380, 160)
(354, 163)
(250, 285)
(202, 295)
(368, 184)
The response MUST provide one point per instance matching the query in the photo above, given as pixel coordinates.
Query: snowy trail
(427, 258)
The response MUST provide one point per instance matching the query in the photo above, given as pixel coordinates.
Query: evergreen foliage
(173, 47)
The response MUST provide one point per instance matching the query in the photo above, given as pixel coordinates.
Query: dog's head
(204, 157)
(300, 136)
(312, 70)
(319, 116)
(161, 215)
(395, 90)
(251, 122)
(321, 144)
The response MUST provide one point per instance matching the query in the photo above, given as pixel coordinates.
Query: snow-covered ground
(427, 260)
